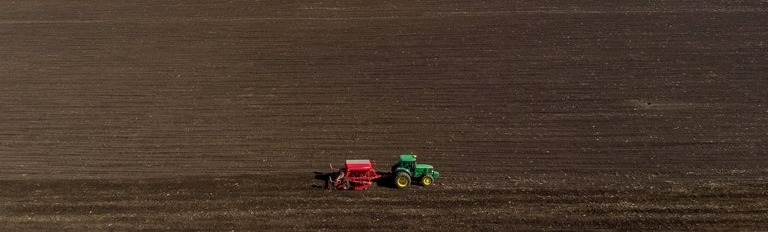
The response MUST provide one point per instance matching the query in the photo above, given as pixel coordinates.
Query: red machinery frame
(356, 174)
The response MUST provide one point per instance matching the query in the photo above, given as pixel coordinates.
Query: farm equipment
(407, 170)
(356, 174)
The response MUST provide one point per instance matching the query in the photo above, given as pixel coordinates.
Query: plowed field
(539, 115)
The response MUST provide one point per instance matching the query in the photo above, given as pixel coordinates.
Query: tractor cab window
(408, 165)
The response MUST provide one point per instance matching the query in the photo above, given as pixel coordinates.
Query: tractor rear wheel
(402, 179)
(427, 181)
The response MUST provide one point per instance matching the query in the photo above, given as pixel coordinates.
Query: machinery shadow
(324, 177)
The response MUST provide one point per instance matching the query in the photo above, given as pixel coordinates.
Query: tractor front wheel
(402, 180)
(427, 181)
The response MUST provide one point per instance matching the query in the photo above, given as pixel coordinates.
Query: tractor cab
(406, 170)
(407, 162)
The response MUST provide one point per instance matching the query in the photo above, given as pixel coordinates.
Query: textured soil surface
(542, 115)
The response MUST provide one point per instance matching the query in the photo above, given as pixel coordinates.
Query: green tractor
(407, 170)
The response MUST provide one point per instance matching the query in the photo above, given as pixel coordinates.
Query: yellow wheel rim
(402, 181)
(427, 181)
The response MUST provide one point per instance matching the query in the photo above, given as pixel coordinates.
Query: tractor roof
(408, 157)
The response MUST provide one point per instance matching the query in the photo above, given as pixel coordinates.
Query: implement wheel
(427, 181)
(402, 180)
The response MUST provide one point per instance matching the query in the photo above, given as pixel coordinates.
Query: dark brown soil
(543, 115)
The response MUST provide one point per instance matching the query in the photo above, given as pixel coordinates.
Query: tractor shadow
(385, 180)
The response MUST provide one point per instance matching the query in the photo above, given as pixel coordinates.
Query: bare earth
(543, 115)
